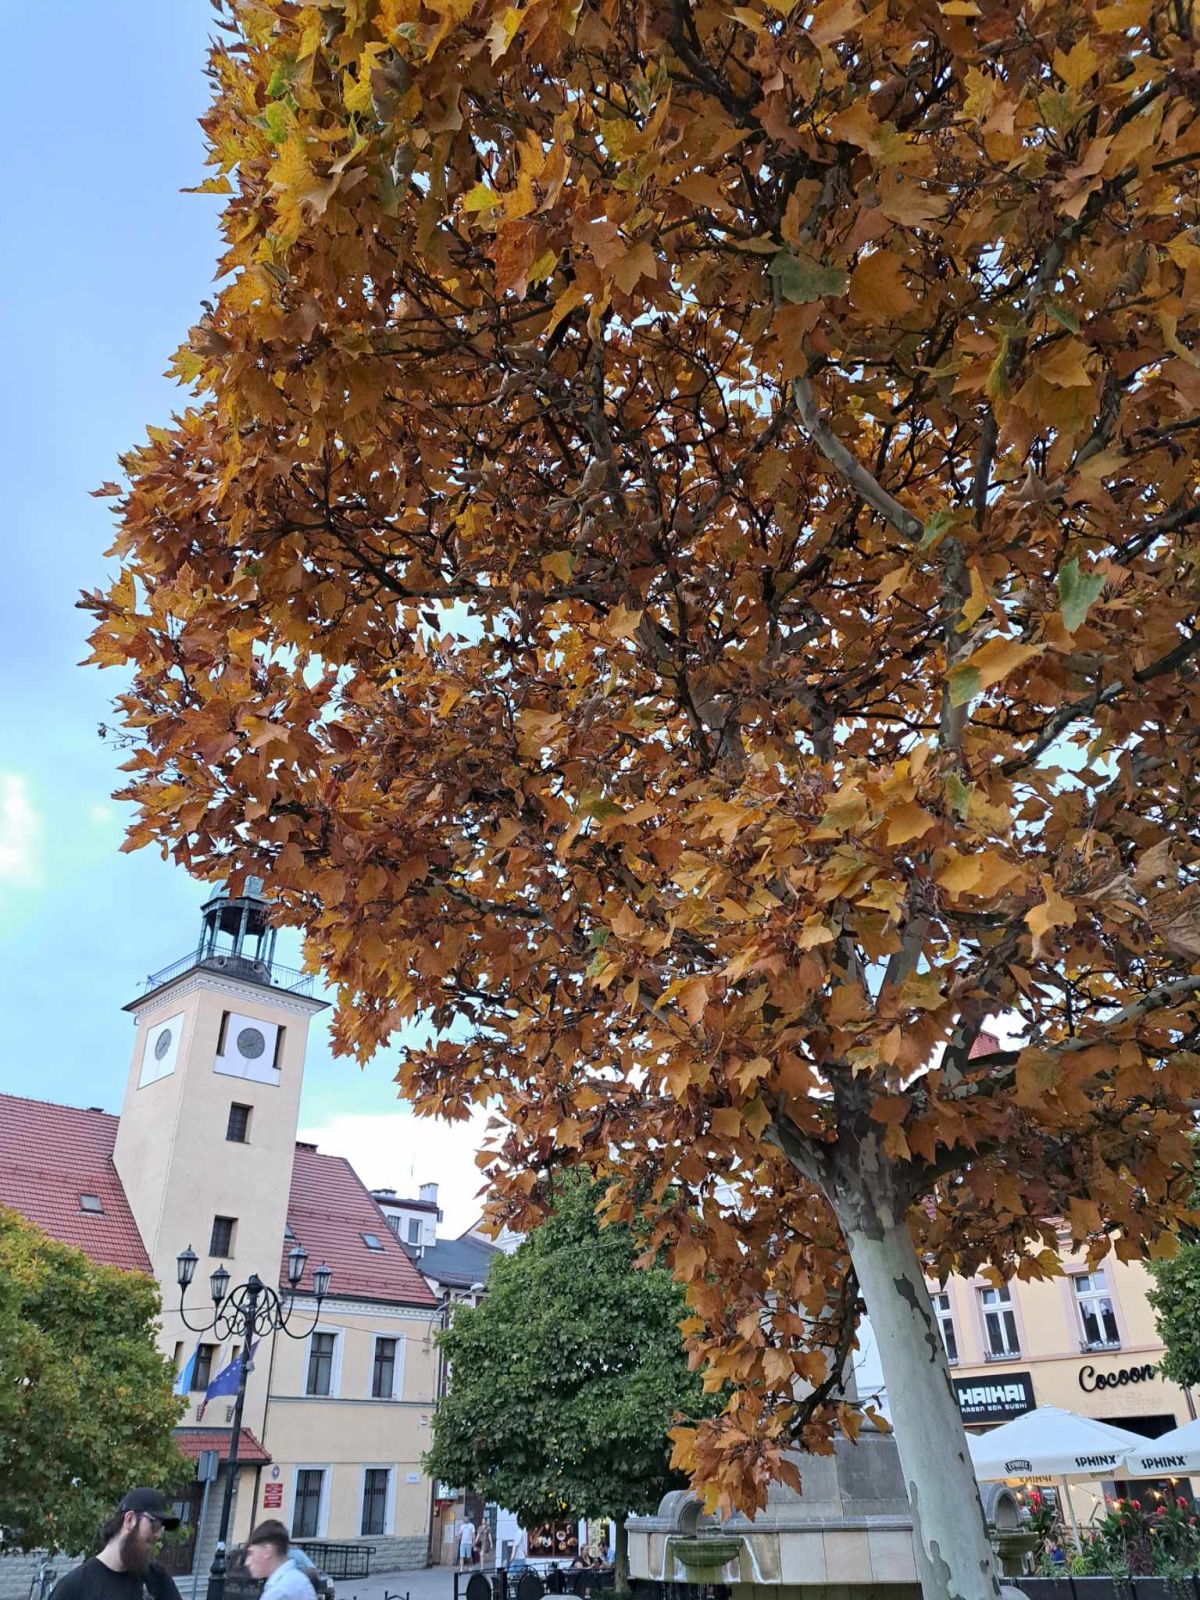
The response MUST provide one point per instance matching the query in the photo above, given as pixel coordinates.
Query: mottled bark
(954, 1557)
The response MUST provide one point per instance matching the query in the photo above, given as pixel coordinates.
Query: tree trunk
(954, 1557)
(621, 1558)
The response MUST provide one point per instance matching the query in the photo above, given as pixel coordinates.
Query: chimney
(428, 1193)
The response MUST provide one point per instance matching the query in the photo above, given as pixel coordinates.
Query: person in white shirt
(267, 1559)
(466, 1543)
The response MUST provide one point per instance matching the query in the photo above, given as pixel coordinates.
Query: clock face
(247, 1048)
(161, 1050)
(251, 1043)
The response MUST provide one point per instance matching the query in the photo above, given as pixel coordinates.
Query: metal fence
(339, 1560)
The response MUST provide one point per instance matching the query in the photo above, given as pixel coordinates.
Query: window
(383, 1374)
(320, 1363)
(222, 1033)
(1096, 1311)
(945, 1322)
(375, 1499)
(277, 1059)
(310, 1485)
(414, 1230)
(393, 1222)
(202, 1376)
(221, 1243)
(999, 1324)
(92, 1203)
(237, 1130)
(288, 1232)
(372, 1241)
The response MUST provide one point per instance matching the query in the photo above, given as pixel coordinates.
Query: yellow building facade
(1085, 1342)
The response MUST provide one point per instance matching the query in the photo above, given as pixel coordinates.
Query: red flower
(1180, 1501)
(1136, 1504)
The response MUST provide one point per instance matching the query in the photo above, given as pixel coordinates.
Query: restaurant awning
(1171, 1455)
(1050, 1445)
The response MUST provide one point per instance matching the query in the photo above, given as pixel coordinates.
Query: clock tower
(207, 1133)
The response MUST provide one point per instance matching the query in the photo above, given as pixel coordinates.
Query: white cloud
(20, 833)
(399, 1151)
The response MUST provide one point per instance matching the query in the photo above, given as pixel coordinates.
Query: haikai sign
(996, 1400)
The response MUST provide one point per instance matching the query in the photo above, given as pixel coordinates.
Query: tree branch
(848, 466)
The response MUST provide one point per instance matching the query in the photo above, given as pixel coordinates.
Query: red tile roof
(329, 1211)
(192, 1441)
(49, 1156)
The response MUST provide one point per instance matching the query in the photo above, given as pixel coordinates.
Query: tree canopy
(565, 1380)
(86, 1407)
(1176, 1301)
(681, 570)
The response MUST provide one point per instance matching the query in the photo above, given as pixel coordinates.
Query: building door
(179, 1549)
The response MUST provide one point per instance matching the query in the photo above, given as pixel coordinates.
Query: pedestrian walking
(466, 1542)
(124, 1567)
(267, 1563)
(272, 1528)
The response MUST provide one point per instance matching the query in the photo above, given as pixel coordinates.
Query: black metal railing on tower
(269, 973)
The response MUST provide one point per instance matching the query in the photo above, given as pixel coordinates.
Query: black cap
(150, 1503)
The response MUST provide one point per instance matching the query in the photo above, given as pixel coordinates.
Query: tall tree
(86, 1407)
(682, 570)
(567, 1377)
(1176, 1301)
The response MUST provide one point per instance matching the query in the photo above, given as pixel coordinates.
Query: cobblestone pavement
(428, 1583)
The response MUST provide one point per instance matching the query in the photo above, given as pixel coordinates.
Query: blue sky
(103, 265)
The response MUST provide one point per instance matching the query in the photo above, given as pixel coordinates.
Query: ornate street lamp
(247, 1313)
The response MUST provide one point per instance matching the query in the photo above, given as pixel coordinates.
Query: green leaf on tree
(1077, 592)
(801, 279)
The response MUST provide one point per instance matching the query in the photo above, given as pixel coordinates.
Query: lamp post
(247, 1312)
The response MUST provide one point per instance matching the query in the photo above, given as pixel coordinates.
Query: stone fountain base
(848, 1534)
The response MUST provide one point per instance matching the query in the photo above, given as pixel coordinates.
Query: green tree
(566, 1378)
(1176, 1301)
(86, 1407)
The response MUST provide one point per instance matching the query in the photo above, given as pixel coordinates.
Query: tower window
(202, 1376)
(222, 1032)
(92, 1203)
(277, 1063)
(237, 1130)
(221, 1243)
(320, 1364)
(383, 1373)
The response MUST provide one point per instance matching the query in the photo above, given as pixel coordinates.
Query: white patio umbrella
(1171, 1455)
(1049, 1445)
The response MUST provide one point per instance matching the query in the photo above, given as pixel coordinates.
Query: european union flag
(225, 1382)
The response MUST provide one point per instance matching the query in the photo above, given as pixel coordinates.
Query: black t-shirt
(95, 1581)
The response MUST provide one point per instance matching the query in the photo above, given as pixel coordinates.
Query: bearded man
(124, 1568)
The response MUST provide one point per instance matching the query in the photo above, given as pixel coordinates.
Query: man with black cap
(123, 1569)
